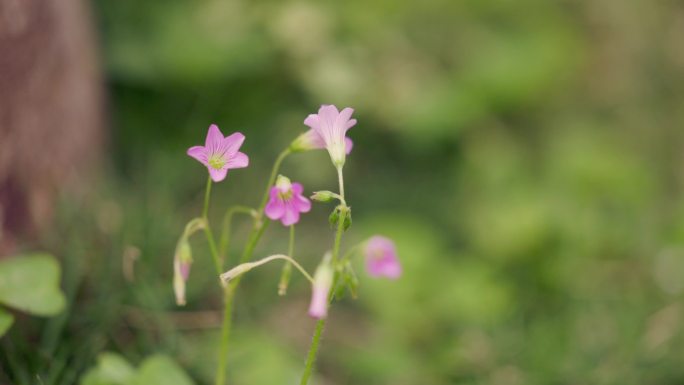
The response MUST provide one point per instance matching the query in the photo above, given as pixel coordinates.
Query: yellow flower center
(216, 162)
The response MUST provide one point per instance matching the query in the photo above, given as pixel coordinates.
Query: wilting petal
(239, 160)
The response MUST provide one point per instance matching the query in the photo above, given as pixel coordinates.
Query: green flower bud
(324, 196)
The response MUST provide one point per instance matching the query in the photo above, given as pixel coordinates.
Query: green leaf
(6, 320)
(111, 369)
(160, 369)
(31, 283)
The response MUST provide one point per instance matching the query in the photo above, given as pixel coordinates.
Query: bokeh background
(527, 157)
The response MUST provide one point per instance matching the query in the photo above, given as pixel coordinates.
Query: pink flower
(323, 278)
(286, 202)
(220, 153)
(381, 258)
(328, 130)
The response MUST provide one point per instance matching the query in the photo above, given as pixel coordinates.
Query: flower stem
(311, 358)
(313, 349)
(271, 179)
(340, 181)
(227, 224)
(225, 334)
(238, 270)
(287, 268)
(229, 291)
(207, 228)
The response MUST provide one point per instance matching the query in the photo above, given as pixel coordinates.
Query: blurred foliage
(115, 370)
(29, 283)
(526, 156)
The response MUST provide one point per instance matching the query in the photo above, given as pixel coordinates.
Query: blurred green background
(525, 155)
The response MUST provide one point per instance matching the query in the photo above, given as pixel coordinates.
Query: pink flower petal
(214, 140)
(297, 188)
(198, 153)
(239, 160)
(348, 144)
(231, 143)
(327, 115)
(319, 303)
(291, 216)
(302, 204)
(312, 121)
(381, 258)
(275, 208)
(218, 175)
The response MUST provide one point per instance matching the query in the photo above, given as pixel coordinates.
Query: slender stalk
(340, 181)
(225, 334)
(320, 325)
(207, 195)
(238, 270)
(271, 179)
(229, 291)
(311, 357)
(207, 228)
(227, 224)
(287, 268)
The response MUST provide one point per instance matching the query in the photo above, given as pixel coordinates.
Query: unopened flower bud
(324, 196)
(323, 279)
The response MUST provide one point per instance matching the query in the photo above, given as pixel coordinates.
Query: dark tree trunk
(50, 109)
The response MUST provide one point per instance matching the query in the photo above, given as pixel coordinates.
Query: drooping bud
(284, 279)
(185, 257)
(320, 290)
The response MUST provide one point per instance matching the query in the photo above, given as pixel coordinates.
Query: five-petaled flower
(286, 202)
(381, 258)
(220, 153)
(328, 130)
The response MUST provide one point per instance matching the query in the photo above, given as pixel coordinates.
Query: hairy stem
(320, 325)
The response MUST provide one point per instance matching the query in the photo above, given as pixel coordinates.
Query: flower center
(216, 162)
(285, 195)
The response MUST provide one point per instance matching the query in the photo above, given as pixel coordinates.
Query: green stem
(313, 349)
(311, 358)
(271, 179)
(340, 181)
(287, 268)
(207, 195)
(254, 236)
(207, 228)
(227, 224)
(225, 334)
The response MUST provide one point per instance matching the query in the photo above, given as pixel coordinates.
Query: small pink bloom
(381, 258)
(329, 129)
(323, 278)
(286, 202)
(220, 153)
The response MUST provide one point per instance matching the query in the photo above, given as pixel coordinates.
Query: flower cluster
(285, 201)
